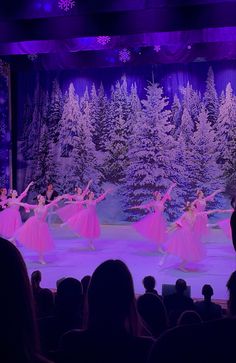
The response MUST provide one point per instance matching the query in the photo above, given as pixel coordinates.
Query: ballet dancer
(200, 205)
(34, 233)
(85, 222)
(10, 219)
(184, 241)
(3, 198)
(153, 226)
(68, 211)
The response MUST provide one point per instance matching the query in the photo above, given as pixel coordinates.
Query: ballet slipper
(183, 269)
(91, 245)
(160, 249)
(42, 261)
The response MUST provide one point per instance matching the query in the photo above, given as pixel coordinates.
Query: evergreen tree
(151, 153)
(68, 125)
(84, 161)
(211, 98)
(191, 101)
(205, 172)
(226, 123)
(55, 111)
(176, 113)
(99, 117)
(187, 125)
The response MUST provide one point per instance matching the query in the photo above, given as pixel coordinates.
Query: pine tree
(176, 113)
(55, 111)
(84, 161)
(187, 125)
(211, 98)
(226, 123)
(99, 117)
(117, 143)
(68, 125)
(151, 152)
(205, 172)
(191, 101)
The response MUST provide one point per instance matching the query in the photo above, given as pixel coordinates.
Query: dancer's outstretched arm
(167, 194)
(143, 206)
(54, 202)
(103, 196)
(211, 197)
(86, 190)
(24, 193)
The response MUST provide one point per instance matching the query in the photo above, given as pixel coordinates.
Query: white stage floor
(72, 257)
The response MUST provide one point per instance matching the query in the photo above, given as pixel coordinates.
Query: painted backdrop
(4, 125)
(135, 129)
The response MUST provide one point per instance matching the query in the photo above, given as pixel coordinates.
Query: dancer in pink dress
(86, 222)
(200, 205)
(34, 233)
(153, 226)
(68, 211)
(3, 198)
(10, 218)
(224, 224)
(184, 242)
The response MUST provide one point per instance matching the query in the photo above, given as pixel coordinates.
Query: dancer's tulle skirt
(85, 223)
(10, 221)
(200, 226)
(185, 244)
(35, 235)
(68, 211)
(225, 226)
(153, 227)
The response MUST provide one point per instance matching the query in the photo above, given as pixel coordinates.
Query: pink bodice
(11, 203)
(41, 212)
(158, 206)
(200, 205)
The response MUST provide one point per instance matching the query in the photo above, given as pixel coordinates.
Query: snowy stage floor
(72, 257)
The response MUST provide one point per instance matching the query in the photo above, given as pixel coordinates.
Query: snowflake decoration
(66, 5)
(124, 55)
(33, 57)
(157, 48)
(103, 39)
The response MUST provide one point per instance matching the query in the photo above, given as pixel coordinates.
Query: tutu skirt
(200, 226)
(152, 227)
(185, 244)
(35, 235)
(10, 221)
(85, 223)
(225, 226)
(68, 211)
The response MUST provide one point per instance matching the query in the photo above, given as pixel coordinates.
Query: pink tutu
(185, 244)
(200, 226)
(10, 221)
(225, 226)
(152, 227)
(85, 223)
(35, 235)
(68, 211)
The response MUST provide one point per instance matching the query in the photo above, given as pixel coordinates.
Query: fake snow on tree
(33, 57)
(124, 55)
(157, 48)
(103, 39)
(66, 5)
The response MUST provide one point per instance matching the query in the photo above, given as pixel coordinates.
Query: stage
(72, 257)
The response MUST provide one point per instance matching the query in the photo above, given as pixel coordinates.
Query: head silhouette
(207, 292)
(231, 285)
(149, 283)
(111, 298)
(189, 317)
(18, 333)
(69, 296)
(85, 283)
(153, 313)
(180, 286)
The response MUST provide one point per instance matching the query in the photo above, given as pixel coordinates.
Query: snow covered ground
(72, 257)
